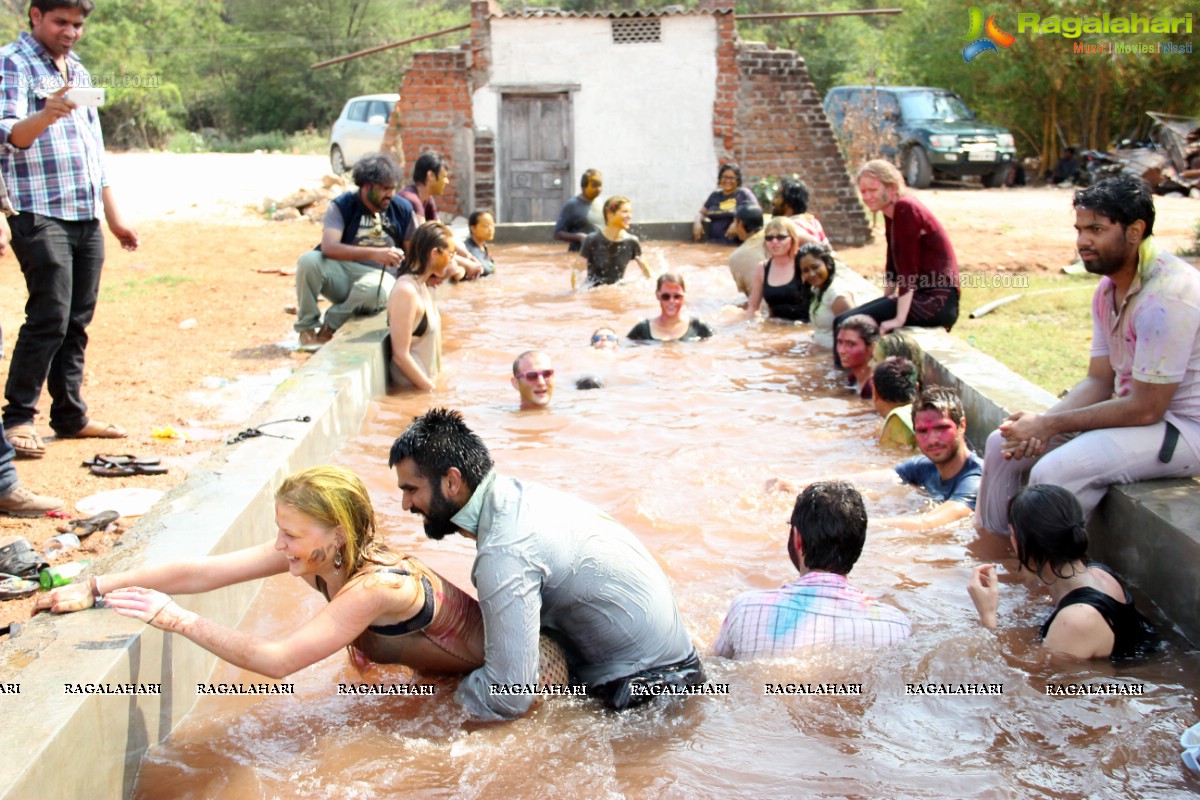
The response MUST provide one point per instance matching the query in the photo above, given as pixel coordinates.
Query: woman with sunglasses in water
(673, 324)
(777, 281)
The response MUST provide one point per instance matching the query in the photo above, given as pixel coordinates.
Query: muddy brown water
(679, 445)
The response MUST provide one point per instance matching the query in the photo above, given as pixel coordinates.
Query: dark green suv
(928, 132)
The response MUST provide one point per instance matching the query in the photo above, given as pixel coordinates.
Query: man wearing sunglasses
(533, 378)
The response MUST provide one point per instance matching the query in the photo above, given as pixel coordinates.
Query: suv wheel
(337, 160)
(994, 180)
(918, 173)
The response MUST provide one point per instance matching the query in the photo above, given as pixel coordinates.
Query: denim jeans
(8, 473)
(61, 261)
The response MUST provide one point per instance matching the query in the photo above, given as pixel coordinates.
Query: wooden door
(535, 156)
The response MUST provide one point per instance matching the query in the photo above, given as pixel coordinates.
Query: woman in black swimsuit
(777, 281)
(387, 607)
(1094, 616)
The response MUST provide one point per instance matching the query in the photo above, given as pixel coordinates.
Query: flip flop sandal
(100, 460)
(14, 588)
(125, 470)
(26, 433)
(84, 528)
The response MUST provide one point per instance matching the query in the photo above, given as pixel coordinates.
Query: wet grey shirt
(547, 560)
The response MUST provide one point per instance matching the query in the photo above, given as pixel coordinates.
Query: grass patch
(1045, 336)
(151, 285)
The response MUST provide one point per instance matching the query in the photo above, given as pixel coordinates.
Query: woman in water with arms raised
(391, 608)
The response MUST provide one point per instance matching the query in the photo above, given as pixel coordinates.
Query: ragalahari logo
(984, 37)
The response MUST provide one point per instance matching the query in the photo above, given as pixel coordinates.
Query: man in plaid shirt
(51, 154)
(829, 528)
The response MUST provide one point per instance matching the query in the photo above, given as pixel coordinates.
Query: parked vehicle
(928, 132)
(359, 129)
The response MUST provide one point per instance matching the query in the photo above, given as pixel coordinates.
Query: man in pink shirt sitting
(1136, 415)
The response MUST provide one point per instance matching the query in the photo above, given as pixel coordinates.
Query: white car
(359, 129)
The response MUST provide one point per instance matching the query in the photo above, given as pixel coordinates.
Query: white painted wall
(642, 113)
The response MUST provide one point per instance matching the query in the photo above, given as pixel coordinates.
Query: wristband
(94, 583)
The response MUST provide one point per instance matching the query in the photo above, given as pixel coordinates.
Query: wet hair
(795, 194)
(473, 220)
(1123, 198)
(896, 380)
(883, 171)
(522, 357)
(821, 251)
(430, 235)
(786, 226)
(613, 204)
(46, 6)
(428, 162)
(438, 440)
(588, 174)
(732, 167)
(943, 400)
(335, 496)
(864, 326)
(831, 520)
(750, 215)
(379, 169)
(669, 277)
(589, 382)
(899, 343)
(1049, 527)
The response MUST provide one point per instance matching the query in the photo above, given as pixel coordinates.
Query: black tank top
(1133, 635)
(789, 301)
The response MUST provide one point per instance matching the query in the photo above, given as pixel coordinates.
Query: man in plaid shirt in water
(826, 537)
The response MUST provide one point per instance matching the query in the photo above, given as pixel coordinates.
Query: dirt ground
(190, 335)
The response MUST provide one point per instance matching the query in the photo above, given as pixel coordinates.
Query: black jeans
(61, 261)
(8, 473)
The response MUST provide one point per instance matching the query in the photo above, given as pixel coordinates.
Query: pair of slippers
(120, 466)
(84, 528)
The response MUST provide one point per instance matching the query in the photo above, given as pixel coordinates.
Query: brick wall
(435, 114)
(781, 129)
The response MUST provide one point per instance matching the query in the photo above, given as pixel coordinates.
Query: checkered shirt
(819, 608)
(61, 174)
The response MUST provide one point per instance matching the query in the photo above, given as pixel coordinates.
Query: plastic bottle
(60, 544)
(60, 575)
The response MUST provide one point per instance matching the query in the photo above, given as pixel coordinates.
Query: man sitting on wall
(431, 176)
(579, 215)
(361, 247)
(547, 563)
(1136, 415)
(791, 201)
(946, 468)
(747, 228)
(826, 537)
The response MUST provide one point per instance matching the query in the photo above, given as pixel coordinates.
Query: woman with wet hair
(855, 344)
(720, 207)
(389, 608)
(414, 325)
(831, 294)
(673, 324)
(1094, 615)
